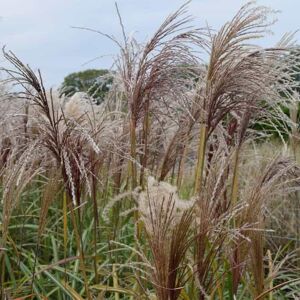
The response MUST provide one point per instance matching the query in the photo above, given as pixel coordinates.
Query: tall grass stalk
(201, 159)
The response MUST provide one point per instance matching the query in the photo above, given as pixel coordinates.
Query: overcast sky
(40, 31)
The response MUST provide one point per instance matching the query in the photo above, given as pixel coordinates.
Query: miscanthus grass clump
(166, 190)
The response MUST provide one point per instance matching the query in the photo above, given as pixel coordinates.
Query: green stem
(201, 158)
(133, 170)
(80, 249)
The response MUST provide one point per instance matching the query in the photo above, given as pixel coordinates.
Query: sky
(42, 33)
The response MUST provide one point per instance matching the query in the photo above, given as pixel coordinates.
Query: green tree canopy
(95, 83)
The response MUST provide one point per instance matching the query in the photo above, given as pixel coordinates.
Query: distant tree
(96, 83)
(296, 75)
(268, 125)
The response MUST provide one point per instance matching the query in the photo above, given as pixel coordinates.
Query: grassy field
(166, 190)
